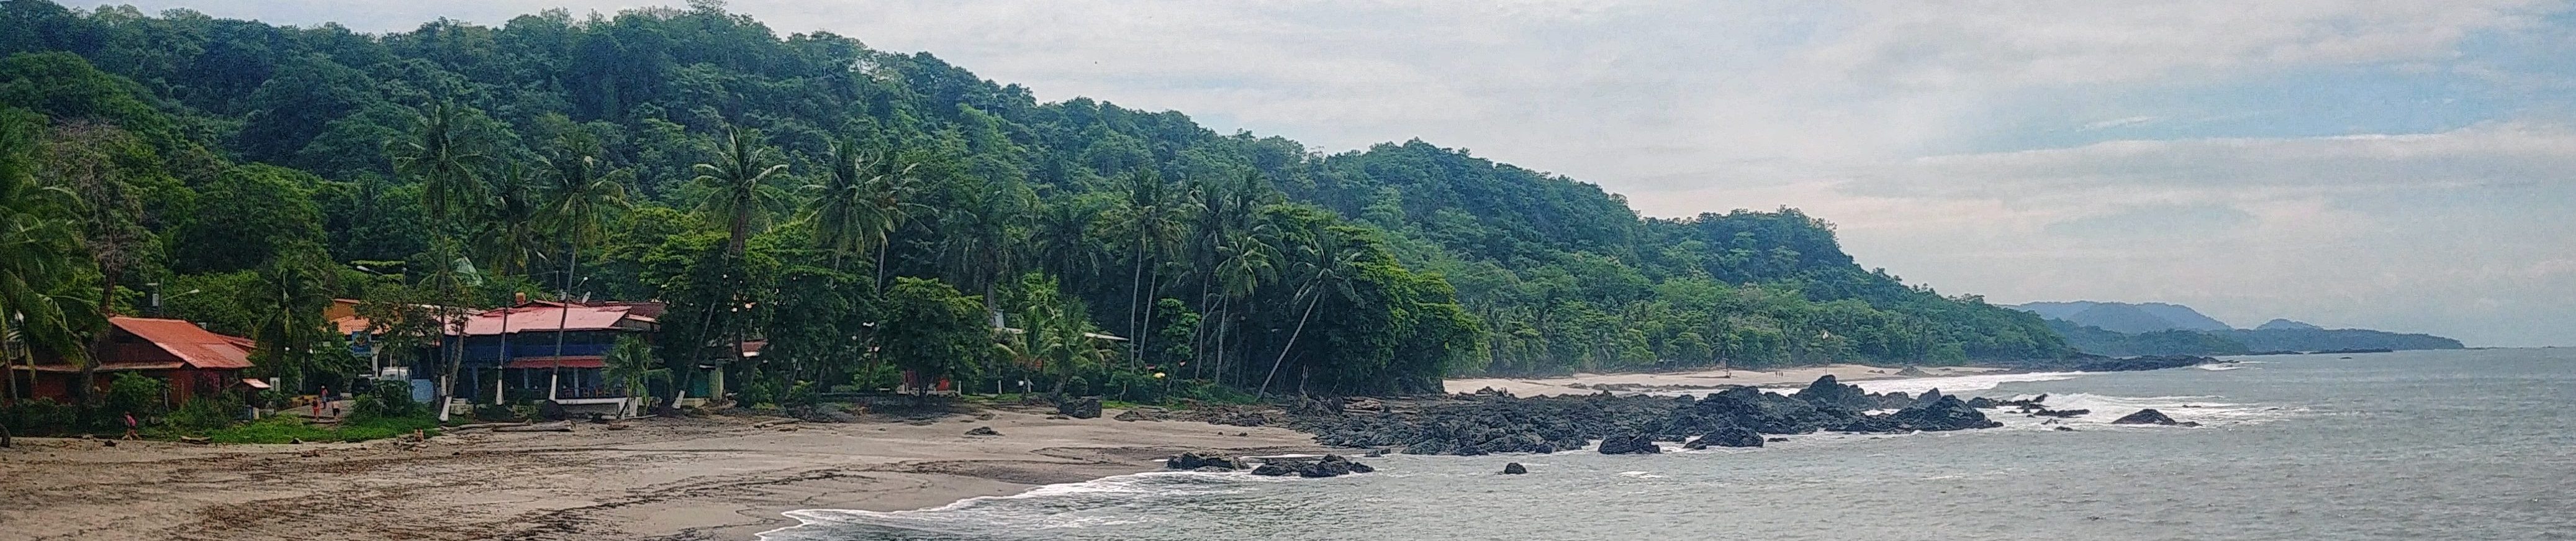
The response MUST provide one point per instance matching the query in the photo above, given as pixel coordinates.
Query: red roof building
(192, 360)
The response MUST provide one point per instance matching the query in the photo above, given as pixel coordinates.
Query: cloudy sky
(2404, 165)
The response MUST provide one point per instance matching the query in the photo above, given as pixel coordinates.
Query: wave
(1047, 507)
(1947, 384)
(2206, 410)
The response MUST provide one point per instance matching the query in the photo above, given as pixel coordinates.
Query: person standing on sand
(130, 425)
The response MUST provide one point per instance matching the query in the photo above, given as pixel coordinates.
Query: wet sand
(684, 478)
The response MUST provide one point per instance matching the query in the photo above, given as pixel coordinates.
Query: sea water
(2447, 445)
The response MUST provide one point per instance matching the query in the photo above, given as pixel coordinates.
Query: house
(193, 361)
(537, 350)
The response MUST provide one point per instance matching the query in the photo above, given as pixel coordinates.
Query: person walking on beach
(130, 425)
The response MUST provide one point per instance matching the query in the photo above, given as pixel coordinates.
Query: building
(193, 361)
(536, 350)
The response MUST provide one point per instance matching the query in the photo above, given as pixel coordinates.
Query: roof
(568, 361)
(104, 367)
(196, 346)
(541, 316)
(352, 324)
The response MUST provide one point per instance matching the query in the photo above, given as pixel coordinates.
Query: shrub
(802, 393)
(206, 413)
(40, 416)
(386, 401)
(134, 394)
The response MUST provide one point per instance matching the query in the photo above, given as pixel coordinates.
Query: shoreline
(716, 478)
(723, 477)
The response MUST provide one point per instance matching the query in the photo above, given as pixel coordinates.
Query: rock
(1374, 453)
(1827, 392)
(2065, 429)
(1272, 470)
(1132, 416)
(1514, 469)
(1080, 408)
(983, 431)
(2147, 416)
(1776, 440)
(1732, 436)
(1981, 403)
(1185, 461)
(1948, 413)
(1912, 371)
(1629, 445)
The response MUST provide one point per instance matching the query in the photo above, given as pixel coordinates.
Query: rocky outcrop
(983, 431)
(1629, 445)
(1198, 462)
(1947, 413)
(1079, 408)
(2150, 416)
(1733, 436)
(1327, 466)
(1514, 469)
(1826, 392)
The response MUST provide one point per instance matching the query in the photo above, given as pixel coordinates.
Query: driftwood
(767, 424)
(483, 425)
(196, 440)
(564, 426)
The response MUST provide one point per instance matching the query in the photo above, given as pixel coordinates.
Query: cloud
(2393, 163)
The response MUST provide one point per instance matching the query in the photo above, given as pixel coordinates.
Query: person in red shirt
(130, 425)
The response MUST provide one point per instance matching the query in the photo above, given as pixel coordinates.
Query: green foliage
(136, 394)
(290, 429)
(834, 200)
(387, 401)
(933, 330)
(206, 413)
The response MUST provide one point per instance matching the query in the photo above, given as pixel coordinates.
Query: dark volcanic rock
(1195, 461)
(1629, 445)
(2145, 417)
(1948, 413)
(1514, 469)
(1981, 403)
(1827, 392)
(1733, 436)
(1079, 408)
(1273, 470)
(983, 431)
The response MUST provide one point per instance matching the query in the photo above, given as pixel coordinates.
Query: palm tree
(579, 197)
(1062, 241)
(860, 202)
(739, 176)
(1326, 259)
(36, 244)
(633, 367)
(511, 239)
(439, 156)
(1153, 214)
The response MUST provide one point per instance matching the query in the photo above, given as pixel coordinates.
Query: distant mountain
(2155, 328)
(2278, 324)
(2132, 318)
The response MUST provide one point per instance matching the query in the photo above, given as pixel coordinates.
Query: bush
(802, 393)
(135, 394)
(40, 416)
(386, 401)
(206, 413)
(289, 429)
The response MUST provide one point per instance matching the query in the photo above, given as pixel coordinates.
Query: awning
(255, 383)
(578, 361)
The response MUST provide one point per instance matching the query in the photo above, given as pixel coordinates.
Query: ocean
(2447, 445)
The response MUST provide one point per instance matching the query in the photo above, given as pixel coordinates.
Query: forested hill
(1364, 271)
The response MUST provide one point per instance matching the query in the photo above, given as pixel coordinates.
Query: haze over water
(2408, 445)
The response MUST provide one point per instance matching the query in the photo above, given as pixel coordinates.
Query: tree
(246, 217)
(742, 199)
(442, 157)
(932, 330)
(35, 249)
(578, 198)
(861, 200)
(1152, 214)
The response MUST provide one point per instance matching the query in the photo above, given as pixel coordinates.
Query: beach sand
(683, 478)
(1701, 381)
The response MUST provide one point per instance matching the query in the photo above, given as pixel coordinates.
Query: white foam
(2206, 410)
(2218, 367)
(1947, 384)
(1058, 506)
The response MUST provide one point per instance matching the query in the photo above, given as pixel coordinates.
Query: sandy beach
(1698, 380)
(685, 478)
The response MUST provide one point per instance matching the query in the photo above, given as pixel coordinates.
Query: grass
(288, 429)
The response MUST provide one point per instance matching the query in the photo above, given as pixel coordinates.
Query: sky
(2402, 165)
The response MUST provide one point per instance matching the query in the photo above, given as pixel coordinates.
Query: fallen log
(483, 425)
(767, 424)
(564, 426)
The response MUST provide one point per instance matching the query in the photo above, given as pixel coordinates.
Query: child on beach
(130, 425)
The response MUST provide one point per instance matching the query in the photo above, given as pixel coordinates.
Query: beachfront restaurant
(538, 351)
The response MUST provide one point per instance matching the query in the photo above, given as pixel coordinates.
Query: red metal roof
(196, 346)
(569, 361)
(540, 316)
